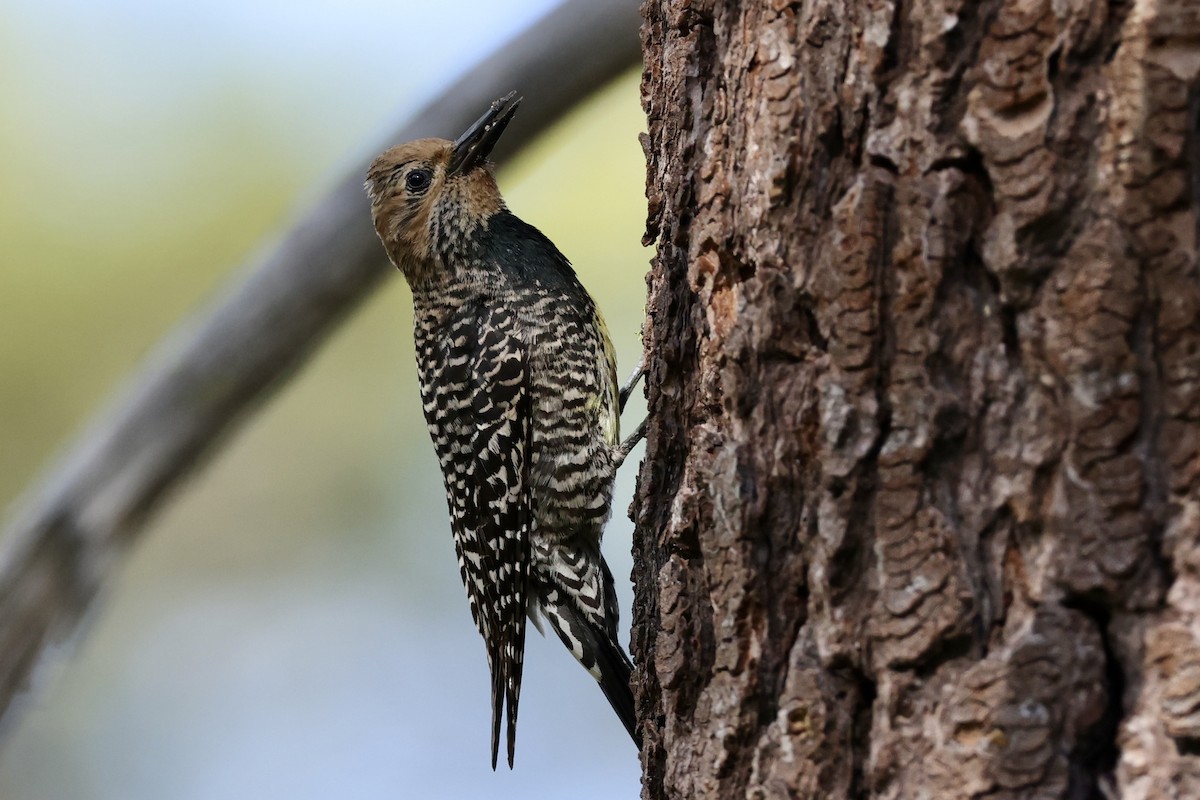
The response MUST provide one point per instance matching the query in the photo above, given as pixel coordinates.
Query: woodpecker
(519, 389)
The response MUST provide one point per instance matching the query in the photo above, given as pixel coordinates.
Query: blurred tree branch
(69, 530)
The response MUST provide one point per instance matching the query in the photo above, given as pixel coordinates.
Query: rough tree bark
(919, 514)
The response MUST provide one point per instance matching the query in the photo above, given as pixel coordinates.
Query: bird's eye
(418, 180)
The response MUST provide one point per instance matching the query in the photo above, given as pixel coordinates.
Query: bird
(519, 390)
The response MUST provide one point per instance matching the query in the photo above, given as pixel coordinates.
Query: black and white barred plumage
(519, 390)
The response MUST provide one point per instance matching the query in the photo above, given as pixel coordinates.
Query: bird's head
(429, 196)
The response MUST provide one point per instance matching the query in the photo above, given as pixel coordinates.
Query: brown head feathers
(430, 196)
(417, 204)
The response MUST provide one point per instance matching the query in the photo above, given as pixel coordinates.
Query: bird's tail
(600, 654)
(507, 663)
(615, 672)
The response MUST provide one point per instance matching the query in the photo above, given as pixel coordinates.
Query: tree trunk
(919, 514)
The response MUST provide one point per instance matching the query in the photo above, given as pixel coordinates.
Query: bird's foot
(623, 451)
(631, 384)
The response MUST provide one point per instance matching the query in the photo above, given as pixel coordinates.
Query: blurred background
(293, 625)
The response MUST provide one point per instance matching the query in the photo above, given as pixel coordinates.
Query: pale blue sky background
(294, 625)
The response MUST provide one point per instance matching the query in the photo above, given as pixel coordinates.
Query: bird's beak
(474, 146)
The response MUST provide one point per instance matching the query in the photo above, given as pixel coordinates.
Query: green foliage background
(293, 624)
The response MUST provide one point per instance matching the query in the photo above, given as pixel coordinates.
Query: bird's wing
(503, 431)
(487, 435)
